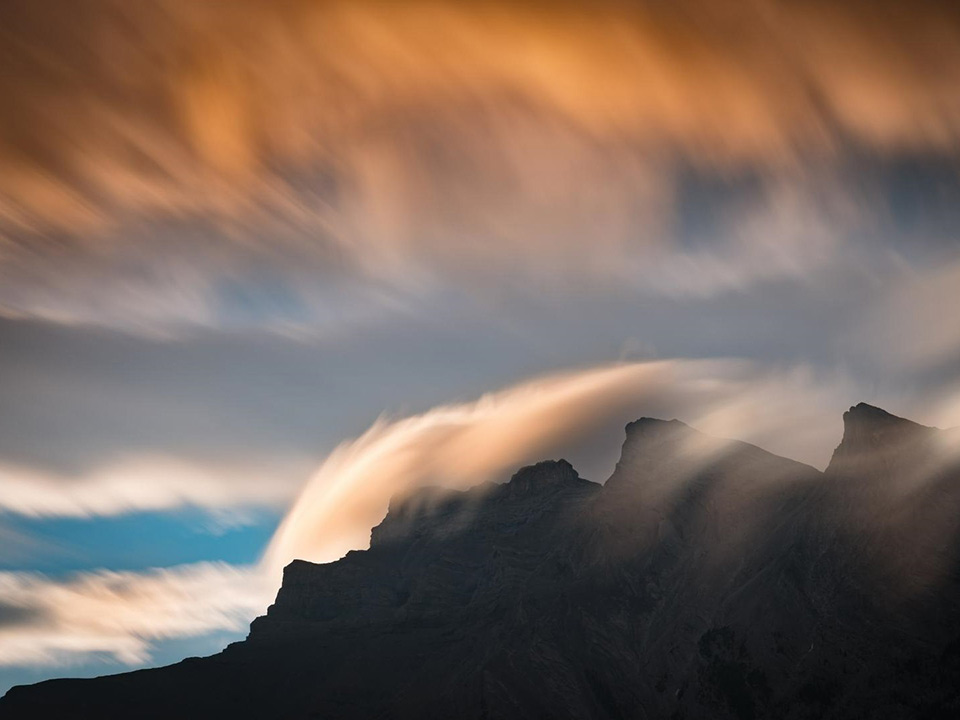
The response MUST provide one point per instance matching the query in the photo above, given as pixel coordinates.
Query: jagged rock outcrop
(705, 579)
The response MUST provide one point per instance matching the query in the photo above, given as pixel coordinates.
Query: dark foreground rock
(706, 579)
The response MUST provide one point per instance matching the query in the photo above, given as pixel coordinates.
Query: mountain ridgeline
(705, 579)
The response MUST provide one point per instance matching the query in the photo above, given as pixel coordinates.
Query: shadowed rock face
(882, 447)
(706, 579)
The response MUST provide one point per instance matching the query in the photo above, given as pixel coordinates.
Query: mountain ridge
(705, 578)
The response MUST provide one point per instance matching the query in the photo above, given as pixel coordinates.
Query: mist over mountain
(706, 578)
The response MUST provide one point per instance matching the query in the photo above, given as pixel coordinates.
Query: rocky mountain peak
(542, 475)
(650, 436)
(647, 427)
(649, 444)
(873, 438)
(440, 511)
(868, 418)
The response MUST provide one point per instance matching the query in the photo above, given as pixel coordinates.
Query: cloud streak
(908, 326)
(162, 153)
(146, 484)
(119, 614)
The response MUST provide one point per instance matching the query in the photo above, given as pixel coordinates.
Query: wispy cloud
(911, 324)
(342, 157)
(147, 483)
(579, 415)
(44, 621)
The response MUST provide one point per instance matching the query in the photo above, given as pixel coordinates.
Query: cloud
(348, 157)
(910, 325)
(145, 483)
(47, 621)
(579, 415)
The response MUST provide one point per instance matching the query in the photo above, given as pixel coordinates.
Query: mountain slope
(705, 579)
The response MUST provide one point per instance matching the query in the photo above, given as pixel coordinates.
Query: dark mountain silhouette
(705, 579)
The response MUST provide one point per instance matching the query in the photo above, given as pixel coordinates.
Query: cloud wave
(578, 414)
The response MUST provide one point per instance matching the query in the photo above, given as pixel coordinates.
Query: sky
(265, 264)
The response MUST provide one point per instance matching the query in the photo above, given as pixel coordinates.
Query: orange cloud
(405, 140)
(459, 446)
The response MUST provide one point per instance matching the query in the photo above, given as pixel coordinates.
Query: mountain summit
(706, 579)
(874, 437)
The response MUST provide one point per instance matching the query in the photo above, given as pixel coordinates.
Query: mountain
(706, 578)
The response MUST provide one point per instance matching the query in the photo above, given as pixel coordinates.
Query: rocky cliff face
(705, 579)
